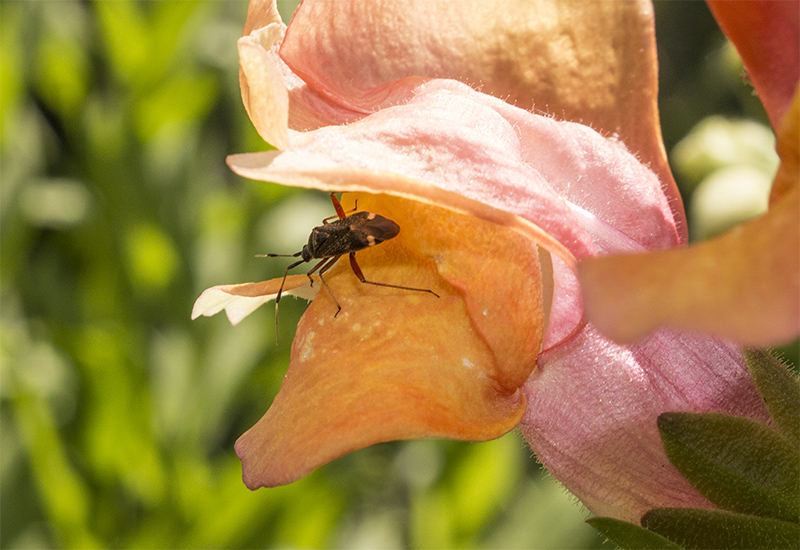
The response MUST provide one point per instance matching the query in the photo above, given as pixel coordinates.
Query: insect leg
(340, 213)
(360, 275)
(286, 274)
(338, 206)
(325, 268)
(280, 293)
(320, 264)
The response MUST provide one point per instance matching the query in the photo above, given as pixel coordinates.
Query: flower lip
(461, 377)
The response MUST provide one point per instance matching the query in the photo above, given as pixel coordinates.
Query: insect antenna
(280, 290)
(295, 255)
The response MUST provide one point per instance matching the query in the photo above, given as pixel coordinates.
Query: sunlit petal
(591, 62)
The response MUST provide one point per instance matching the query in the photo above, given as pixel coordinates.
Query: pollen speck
(307, 347)
(485, 312)
(467, 363)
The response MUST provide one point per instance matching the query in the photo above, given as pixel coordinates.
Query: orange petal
(766, 35)
(354, 380)
(743, 285)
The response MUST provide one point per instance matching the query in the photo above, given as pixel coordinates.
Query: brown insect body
(349, 234)
(346, 235)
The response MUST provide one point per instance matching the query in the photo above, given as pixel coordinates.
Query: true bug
(330, 241)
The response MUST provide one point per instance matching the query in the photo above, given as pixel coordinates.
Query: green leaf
(780, 391)
(737, 463)
(630, 535)
(698, 528)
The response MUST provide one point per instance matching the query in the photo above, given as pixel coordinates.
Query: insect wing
(377, 228)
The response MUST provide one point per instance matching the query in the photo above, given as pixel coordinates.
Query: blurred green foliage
(118, 413)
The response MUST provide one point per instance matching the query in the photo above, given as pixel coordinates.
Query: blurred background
(117, 413)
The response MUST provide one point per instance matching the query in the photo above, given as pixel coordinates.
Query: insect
(330, 241)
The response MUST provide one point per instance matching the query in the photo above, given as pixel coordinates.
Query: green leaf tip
(737, 463)
(629, 535)
(779, 389)
(699, 528)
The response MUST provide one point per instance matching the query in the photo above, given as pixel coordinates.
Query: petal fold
(264, 93)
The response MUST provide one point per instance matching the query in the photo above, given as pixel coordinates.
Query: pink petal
(592, 409)
(501, 157)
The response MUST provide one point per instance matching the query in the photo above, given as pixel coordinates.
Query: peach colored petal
(354, 380)
(261, 13)
(590, 62)
(241, 300)
(264, 93)
(766, 35)
(275, 98)
(788, 147)
(743, 285)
